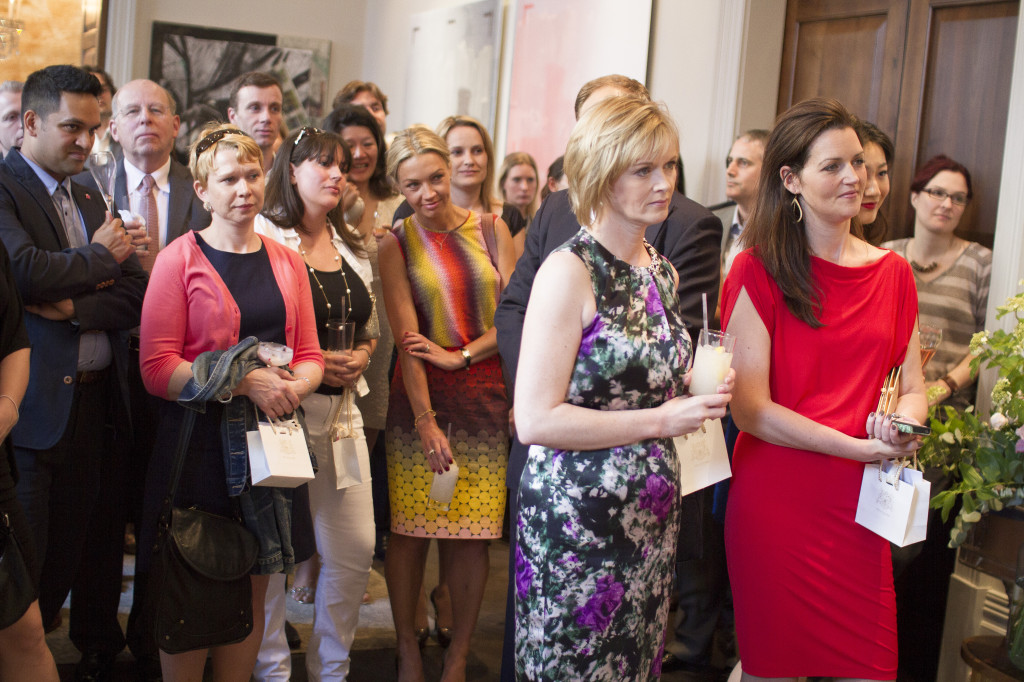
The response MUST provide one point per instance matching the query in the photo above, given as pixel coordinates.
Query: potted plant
(985, 458)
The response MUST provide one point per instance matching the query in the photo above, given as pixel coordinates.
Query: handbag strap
(184, 436)
(487, 227)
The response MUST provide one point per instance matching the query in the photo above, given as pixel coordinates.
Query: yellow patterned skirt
(473, 402)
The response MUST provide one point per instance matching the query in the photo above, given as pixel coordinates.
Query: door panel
(852, 51)
(933, 74)
(964, 88)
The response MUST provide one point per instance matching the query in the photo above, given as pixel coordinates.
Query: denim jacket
(215, 373)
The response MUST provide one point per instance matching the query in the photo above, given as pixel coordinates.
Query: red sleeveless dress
(813, 590)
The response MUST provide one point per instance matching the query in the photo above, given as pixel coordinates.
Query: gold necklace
(341, 269)
(439, 241)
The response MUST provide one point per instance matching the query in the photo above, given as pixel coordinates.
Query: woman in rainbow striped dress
(443, 269)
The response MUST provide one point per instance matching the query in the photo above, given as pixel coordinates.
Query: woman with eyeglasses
(303, 212)
(952, 276)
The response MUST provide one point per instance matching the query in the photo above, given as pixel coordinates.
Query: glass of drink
(103, 167)
(274, 354)
(930, 338)
(341, 335)
(711, 362)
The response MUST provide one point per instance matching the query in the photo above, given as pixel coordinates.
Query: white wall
(716, 74)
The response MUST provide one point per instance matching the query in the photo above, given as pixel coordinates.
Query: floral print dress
(597, 529)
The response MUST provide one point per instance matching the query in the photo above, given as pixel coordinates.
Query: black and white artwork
(198, 66)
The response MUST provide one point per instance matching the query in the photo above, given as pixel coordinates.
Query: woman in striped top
(952, 275)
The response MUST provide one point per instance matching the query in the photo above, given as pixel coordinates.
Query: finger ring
(432, 451)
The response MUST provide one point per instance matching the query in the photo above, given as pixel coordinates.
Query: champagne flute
(930, 338)
(103, 167)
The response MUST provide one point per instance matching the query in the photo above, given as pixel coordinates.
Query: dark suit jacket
(184, 209)
(107, 295)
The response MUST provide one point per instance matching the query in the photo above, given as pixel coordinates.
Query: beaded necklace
(341, 269)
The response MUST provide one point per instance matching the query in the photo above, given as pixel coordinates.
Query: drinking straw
(449, 437)
(704, 300)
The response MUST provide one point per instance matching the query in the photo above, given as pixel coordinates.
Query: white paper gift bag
(894, 502)
(278, 454)
(351, 455)
(702, 456)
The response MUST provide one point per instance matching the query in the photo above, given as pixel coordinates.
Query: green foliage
(983, 457)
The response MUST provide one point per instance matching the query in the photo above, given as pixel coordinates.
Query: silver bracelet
(308, 383)
(17, 414)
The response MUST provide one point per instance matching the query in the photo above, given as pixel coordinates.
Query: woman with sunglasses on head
(208, 290)
(302, 211)
(952, 276)
(472, 175)
(443, 268)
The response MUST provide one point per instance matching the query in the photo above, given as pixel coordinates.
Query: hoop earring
(798, 212)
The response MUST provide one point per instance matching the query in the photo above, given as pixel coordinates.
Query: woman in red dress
(821, 316)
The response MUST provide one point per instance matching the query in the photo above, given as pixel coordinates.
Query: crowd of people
(127, 379)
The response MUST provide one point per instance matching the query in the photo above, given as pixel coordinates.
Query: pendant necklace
(341, 269)
(439, 241)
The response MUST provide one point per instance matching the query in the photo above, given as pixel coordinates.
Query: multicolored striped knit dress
(455, 287)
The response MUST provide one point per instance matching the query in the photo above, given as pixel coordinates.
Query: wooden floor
(373, 656)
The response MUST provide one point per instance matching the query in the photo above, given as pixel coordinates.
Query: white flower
(997, 421)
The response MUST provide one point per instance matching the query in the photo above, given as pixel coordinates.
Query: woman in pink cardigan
(208, 290)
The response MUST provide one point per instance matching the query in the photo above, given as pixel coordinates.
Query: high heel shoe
(444, 634)
(421, 636)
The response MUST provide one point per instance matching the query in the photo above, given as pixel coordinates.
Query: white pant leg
(343, 523)
(274, 661)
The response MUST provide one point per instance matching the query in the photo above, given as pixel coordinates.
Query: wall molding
(1008, 246)
(120, 40)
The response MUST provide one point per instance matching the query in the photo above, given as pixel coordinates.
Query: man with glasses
(158, 192)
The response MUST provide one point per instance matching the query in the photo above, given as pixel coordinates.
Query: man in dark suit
(144, 124)
(83, 288)
(690, 238)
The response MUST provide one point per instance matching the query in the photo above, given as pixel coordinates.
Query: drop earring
(798, 212)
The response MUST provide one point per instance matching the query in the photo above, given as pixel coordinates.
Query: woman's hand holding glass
(435, 444)
(419, 346)
(343, 369)
(684, 415)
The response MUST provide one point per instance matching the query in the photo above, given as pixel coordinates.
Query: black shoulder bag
(201, 591)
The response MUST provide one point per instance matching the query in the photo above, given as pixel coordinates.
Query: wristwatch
(466, 356)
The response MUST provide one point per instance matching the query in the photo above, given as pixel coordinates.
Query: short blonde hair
(609, 138)
(413, 141)
(487, 195)
(202, 152)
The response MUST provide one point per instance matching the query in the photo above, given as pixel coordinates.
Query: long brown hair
(779, 240)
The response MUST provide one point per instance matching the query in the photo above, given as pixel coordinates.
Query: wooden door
(846, 49)
(934, 74)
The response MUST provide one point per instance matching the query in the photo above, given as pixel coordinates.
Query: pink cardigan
(188, 310)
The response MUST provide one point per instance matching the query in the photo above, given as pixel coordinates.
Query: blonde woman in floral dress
(600, 392)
